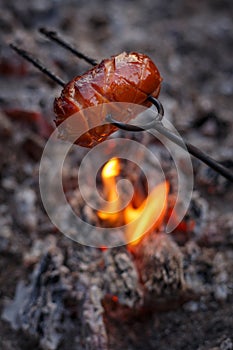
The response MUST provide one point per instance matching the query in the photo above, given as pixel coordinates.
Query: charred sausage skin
(127, 77)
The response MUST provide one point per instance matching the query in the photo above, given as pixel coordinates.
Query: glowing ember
(148, 216)
(103, 248)
(115, 299)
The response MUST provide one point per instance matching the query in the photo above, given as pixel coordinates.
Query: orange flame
(109, 173)
(149, 215)
(138, 221)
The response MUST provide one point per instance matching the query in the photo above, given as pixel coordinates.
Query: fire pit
(94, 289)
(159, 290)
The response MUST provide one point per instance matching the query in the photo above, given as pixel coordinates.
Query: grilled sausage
(122, 78)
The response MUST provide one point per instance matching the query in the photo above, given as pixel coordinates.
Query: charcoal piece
(38, 309)
(226, 225)
(84, 260)
(226, 344)
(197, 213)
(195, 220)
(220, 277)
(120, 278)
(91, 312)
(197, 268)
(88, 290)
(6, 232)
(207, 272)
(25, 208)
(160, 264)
(64, 293)
(37, 250)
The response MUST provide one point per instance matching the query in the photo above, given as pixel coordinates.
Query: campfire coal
(77, 292)
(75, 289)
(146, 216)
(166, 290)
(61, 291)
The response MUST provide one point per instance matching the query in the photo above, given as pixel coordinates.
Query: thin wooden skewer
(52, 35)
(38, 64)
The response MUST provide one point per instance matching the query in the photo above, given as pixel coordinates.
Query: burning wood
(88, 285)
(146, 217)
(160, 264)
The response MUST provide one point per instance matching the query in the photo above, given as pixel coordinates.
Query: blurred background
(190, 42)
(192, 45)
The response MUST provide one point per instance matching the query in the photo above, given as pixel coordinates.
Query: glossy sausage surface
(125, 77)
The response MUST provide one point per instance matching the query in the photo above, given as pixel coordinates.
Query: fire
(111, 170)
(148, 216)
(109, 173)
